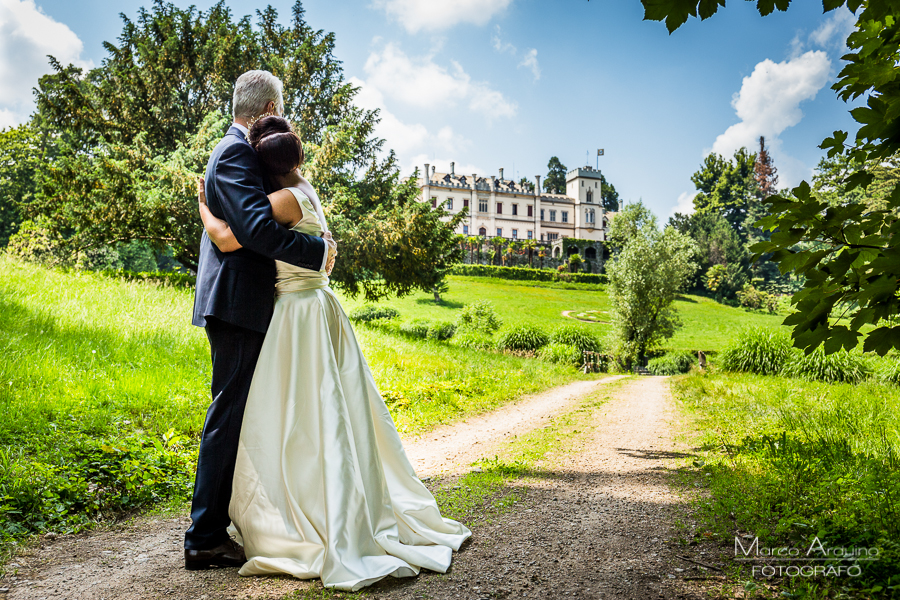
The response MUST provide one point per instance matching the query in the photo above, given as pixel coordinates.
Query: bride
(322, 485)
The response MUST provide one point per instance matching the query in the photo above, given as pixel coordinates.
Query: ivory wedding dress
(322, 485)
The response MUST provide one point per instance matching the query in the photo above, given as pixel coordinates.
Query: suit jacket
(239, 287)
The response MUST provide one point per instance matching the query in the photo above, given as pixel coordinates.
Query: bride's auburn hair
(279, 148)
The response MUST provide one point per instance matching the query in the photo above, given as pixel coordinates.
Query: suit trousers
(235, 351)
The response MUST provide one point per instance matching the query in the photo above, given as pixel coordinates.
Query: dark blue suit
(234, 300)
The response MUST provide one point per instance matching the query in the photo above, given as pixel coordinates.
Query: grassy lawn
(708, 325)
(104, 387)
(788, 460)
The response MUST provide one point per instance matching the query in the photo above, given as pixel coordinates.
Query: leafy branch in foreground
(848, 251)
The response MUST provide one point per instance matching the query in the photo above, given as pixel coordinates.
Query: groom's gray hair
(253, 91)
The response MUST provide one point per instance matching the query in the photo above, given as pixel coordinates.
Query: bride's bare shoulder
(285, 208)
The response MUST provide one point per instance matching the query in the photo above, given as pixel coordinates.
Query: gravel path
(594, 523)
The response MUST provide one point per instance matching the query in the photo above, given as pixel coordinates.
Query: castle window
(499, 208)
(590, 196)
(530, 234)
(551, 237)
(482, 206)
(465, 203)
(449, 204)
(565, 216)
(515, 234)
(542, 214)
(553, 215)
(530, 211)
(434, 202)
(482, 231)
(515, 209)
(499, 232)
(465, 230)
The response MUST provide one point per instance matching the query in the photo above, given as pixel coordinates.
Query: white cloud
(684, 204)
(411, 142)
(423, 83)
(434, 15)
(834, 31)
(500, 45)
(769, 102)
(531, 62)
(27, 36)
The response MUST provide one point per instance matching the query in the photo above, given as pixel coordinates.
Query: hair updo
(279, 149)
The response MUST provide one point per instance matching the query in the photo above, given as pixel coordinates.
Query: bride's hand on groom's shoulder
(331, 248)
(201, 190)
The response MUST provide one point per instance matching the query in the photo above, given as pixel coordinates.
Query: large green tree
(848, 254)
(717, 243)
(646, 272)
(131, 135)
(728, 188)
(556, 176)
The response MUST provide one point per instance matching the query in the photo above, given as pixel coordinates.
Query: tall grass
(757, 350)
(104, 386)
(788, 460)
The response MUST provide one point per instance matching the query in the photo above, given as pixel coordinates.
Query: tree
(609, 197)
(133, 134)
(727, 187)
(20, 154)
(717, 243)
(849, 255)
(644, 277)
(556, 176)
(765, 173)
(526, 184)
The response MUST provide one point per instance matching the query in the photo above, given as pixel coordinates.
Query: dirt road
(594, 523)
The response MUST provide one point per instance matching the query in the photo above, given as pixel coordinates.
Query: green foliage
(474, 340)
(728, 188)
(35, 241)
(837, 367)
(576, 336)
(370, 312)
(717, 242)
(751, 297)
(441, 331)
(522, 338)
(789, 460)
(644, 277)
(889, 371)
(760, 350)
(849, 252)
(21, 151)
(523, 274)
(417, 328)
(609, 196)
(672, 363)
(575, 260)
(725, 281)
(479, 316)
(562, 353)
(556, 176)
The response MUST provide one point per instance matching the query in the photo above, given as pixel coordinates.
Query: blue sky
(510, 83)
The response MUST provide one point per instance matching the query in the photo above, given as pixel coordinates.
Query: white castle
(501, 207)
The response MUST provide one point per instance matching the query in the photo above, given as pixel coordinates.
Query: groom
(234, 302)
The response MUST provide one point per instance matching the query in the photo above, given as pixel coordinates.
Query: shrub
(370, 312)
(725, 280)
(479, 316)
(573, 335)
(889, 370)
(526, 274)
(673, 363)
(523, 338)
(838, 367)
(35, 243)
(757, 350)
(750, 297)
(441, 331)
(475, 340)
(416, 328)
(558, 352)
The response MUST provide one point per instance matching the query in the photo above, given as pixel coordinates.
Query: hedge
(523, 274)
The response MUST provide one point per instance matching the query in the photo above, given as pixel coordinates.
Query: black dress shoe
(226, 554)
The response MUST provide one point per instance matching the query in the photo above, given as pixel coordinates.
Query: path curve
(453, 448)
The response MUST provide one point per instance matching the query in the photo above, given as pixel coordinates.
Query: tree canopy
(121, 144)
(556, 176)
(848, 253)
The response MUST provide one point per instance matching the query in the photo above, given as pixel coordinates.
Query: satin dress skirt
(322, 485)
